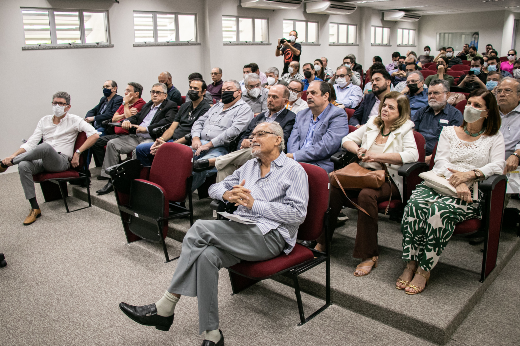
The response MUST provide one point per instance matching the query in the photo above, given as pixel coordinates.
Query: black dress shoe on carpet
(106, 189)
(311, 244)
(201, 165)
(211, 343)
(147, 316)
(3, 263)
(100, 177)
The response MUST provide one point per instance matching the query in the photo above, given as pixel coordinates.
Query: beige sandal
(416, 288)
(366, 269)
(401, 281)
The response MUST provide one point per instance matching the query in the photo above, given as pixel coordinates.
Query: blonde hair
(403, 106)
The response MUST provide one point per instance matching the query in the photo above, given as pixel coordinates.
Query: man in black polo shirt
(181, 125)
(290, 50)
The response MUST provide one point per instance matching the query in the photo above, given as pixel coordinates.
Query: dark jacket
(454, 61)
(165, 115)
(175, 95)
(361, 114)
(109, 111)
(286, 120)
(359, 69)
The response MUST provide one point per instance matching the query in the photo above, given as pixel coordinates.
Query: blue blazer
(331, 128)
(361, 114)
(111, 108)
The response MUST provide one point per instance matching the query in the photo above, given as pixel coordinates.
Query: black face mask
(107, 92)
(413, 89)
(227, 97)
(307, 74)
(193, 95)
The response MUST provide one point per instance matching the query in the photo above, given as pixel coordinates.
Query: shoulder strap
(351, 201)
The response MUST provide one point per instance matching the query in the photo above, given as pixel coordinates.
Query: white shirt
(62, 136)
(375, 110)
(297, 106)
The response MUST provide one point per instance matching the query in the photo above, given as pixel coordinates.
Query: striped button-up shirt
(280, 198)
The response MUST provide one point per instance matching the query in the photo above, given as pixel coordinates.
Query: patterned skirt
(428, 224)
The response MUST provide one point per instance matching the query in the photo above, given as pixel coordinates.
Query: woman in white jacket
(385, 139)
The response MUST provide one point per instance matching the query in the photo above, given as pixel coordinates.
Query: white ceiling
(427, 7)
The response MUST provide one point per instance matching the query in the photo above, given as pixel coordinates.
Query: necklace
(473, 134)
(383, 129)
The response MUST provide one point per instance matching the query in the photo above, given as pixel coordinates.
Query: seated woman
(465, 154)
(384, 139)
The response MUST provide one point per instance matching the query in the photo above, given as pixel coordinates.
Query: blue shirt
(430, 125)
(418, 101)
(147, 120)
(306, 82)
(350, 96)
(310, 133)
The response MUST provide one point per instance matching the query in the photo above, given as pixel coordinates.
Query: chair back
(350, 112)
(432, 161)
(432, 67)
(80, 140)
(318, 205)
(429, 64)
(503, 58)
(427, 73)
(171, 168)
(466, 62)
(351, 128)
(461, 105)
(304, 95)
(183, 99)
(421, 145)
(460, 67)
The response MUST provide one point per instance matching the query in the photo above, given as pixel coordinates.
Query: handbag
(442, 186)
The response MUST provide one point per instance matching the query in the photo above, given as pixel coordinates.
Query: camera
(282, 40)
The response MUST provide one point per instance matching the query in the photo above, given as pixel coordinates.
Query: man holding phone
(476, 78)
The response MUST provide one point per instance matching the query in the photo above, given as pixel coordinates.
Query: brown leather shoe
(3, 168)
(33, 215)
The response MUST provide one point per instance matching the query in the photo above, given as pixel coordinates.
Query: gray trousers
(42, 158)
(227, 164)
(121, 145)
(210, 245)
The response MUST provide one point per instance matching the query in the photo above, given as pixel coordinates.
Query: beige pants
(227, 164)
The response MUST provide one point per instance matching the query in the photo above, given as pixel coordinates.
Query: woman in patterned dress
(465, 154)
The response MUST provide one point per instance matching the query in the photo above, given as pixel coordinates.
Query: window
(342, 34)
(58, 27)
(380, 36)
(405, 37)
(307, 31)
(151, 28)
(245, 30)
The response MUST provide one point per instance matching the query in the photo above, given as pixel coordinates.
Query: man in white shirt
(55, 154)
(296, 103)
(346, 93)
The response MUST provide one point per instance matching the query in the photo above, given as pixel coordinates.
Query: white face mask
(427, 52)
(317, 68)
(485, 64)
(293, 96)
(516, 73)
(347, 65)
(511, 57)
(449, 54)
(58, 110)
(291, 70)
(270, 80)
(255, 92)
(341, 82)
(472, 114)
(292, 38)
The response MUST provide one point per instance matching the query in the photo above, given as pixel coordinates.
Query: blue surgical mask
(492, 68)
(476, 70)
(491, 84)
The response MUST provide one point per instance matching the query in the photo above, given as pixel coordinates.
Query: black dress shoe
(201, 165)
(100, 177)
(311, 244)
(147, 316)
(3, 263)
(106, 189)
(211, 343)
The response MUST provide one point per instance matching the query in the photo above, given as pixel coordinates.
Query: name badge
(444, 121)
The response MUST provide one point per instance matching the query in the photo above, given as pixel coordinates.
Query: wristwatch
(123, 103)
(478, 174)
(518, 156)
(78, 152)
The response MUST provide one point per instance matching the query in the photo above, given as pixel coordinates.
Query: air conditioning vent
(330, 7)
(401, 16)
(272, 4)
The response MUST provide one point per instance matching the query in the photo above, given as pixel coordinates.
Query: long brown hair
(321, 74)
(493, 120)
(403, 106)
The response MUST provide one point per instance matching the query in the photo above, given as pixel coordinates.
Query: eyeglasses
(434, 93)
(505, 91)
(294, 90)
(260, 134)
(155, 92)
(60, 104)
(341, 75)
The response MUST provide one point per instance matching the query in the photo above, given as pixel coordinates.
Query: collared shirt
(147, 120)
(309, 138)
(62, 136)
(280, 198)
(288, 78)
(350, 96)
(418, 101)
(510, 129)
(507, 66)
(187, 116)
(272, 118)
(430, 125)
(219, 124)
(297, 106)
(215, 89)
(306, 82)
(445, 76)
(375, 110)
(259, 104)
(328, 73)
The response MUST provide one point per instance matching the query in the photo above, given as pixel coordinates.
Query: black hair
(204, 86)
(384, 73)
(377, 58)
(254, 67)
(427, 47)
(396, 55)
(138, 88)
(478, 58)
(194, 75)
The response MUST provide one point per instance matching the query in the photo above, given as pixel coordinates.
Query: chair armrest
(341, 158)
(336, 158)
(489, 184)
(159, 131)
(217, 205)
(188, 138)
(409, 168)
(109, 123)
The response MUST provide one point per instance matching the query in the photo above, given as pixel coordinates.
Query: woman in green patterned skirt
(464, 155)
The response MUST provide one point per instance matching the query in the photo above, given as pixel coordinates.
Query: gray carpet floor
(67, 273)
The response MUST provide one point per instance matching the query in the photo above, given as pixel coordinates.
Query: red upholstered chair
(147, 199)
(432, 67)
(304, 95)
(503, 58)
(456, 74)
(54, 185)
(183, 98)
(301, 258)
(351, 128)
(461, 105)
(429, 64)
(466, 62)
(460, 67)
(350, 112)
(427, 73)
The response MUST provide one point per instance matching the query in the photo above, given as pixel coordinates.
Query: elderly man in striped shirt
(272, 193)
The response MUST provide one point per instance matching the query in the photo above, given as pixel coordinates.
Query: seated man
(252, 68)
(508, 100)
(397, 60)
(58, 133)
(350, 62)
(442, 69)
(452, 60)
(296, 103)
(272, 193)
(426, 57)
(272, 74)
(256, 96)
(328, 71)
(417, 94)
(476, 78)
(318, 130)
(430, 120)
(207, 96)
(227, 164)
(173, 93)
(347, 94)
(463, 54)
(369, 107)
(215, 88)
(181, 125)
(223, 122)
(409, 67)
(106, 107)
(132, 104)
(294, 72)
(158, 112)
(493, 78)
(310, 75)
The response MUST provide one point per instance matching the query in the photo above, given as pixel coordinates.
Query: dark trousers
(98, 149)
(368, 199)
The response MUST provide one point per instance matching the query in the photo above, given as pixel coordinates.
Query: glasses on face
(59, 104)
(505, 91)
(341, 75)
(260, 134)
(156, 92)
(294, 90)
(434, 93)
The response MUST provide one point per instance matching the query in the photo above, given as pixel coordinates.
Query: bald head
(165, 78)
(277, 98)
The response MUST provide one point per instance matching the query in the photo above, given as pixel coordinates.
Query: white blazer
(399, 141)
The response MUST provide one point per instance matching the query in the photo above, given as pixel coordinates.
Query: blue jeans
(200, 177)
(142, 153)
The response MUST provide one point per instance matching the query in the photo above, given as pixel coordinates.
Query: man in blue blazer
(106, 108)
(318, 130)
(369, 106)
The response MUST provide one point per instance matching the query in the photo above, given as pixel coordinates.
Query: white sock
(212, 335)
(166, 305)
